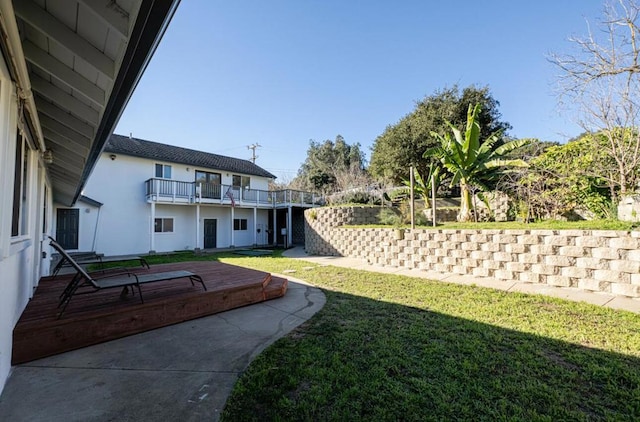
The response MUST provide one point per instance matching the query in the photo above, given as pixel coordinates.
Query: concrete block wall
(594, 260)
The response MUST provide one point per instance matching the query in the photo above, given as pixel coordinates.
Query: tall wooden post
(433, 199)
(413, 219)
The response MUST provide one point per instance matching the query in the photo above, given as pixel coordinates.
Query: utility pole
(253, 147)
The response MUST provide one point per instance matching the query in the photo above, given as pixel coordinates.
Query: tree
(473, 163)
(403, 144)
(564, 180)
(518, 183)
(602, 80)
(327, 163)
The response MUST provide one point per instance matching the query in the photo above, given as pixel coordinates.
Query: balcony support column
(274, 233)
(255, 226)
(232, 245)
(289, 221)
(197, 226)
(152, 248)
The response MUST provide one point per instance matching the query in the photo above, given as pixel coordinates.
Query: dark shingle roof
(119, 144)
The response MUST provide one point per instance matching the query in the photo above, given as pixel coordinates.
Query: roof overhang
(76, 64)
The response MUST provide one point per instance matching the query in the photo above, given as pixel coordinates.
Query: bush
(353, 197)
(390, 217)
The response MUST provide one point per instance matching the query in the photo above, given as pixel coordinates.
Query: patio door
(209, 183)
(210, 233)
(67, 222)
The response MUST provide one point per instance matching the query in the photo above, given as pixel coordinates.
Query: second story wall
(119, 185)
(124, 222)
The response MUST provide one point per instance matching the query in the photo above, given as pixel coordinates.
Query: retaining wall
(594, 260)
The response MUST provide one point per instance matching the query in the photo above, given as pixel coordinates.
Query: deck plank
(103, 315)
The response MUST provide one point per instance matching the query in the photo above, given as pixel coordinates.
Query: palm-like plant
(473, 163)
(422, 186)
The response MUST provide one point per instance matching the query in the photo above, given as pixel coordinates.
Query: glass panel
(201, 177)
(158, 170)
(17, 186)
(167, 225)
(167, 172)
(241, 181)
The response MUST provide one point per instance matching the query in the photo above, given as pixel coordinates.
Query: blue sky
(229, 74)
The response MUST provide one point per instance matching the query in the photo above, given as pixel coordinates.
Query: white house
(67, 70)
(146, 196)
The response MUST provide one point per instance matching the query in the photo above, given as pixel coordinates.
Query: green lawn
(388, 348)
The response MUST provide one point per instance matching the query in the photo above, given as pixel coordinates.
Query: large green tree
(569, 179)
(326, 164)
(404, 143)
(474, 163)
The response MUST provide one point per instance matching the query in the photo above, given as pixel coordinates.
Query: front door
(67, 222)
(210, 232)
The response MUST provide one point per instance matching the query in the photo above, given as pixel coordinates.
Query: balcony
(174, 191)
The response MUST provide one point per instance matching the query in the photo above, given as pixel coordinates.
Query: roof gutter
(151, 24)
(20, 73)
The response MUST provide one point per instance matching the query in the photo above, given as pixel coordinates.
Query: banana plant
(421, 185)
(471, 162)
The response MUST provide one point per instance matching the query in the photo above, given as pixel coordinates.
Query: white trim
(19, 243)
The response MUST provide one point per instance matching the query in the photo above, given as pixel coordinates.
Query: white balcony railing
(165, 190)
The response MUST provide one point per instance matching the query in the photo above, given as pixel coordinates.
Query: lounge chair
(93, 258)
(121, 280)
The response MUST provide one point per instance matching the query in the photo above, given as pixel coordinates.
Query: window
(239, 224)
(44, 209)
(163, 171)
(241, 181)
(209, 183)
(19, 220)
(163, 225)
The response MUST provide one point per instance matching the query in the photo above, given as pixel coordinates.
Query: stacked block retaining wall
(595, 260)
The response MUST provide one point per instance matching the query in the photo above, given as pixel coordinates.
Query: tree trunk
(465, 202)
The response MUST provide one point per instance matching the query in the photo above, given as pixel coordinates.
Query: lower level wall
(594, 260)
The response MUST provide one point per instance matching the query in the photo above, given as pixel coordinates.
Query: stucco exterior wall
(594, 260)
(124, 224)
(21, 254)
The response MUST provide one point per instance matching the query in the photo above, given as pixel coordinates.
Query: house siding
(21, 259)
(123, 224)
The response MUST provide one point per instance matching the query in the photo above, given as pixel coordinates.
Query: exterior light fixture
(47, 156)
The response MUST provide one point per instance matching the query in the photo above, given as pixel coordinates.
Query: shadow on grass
(363, 359)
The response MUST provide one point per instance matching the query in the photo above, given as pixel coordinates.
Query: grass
(388, 347)
(541, 225)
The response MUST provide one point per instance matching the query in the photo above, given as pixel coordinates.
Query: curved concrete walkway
(183, 372)
(577, 295)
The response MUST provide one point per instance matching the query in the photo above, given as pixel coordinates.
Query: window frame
(240, 224)
(165, 171)
(163, 221)
(242, 180)
(20, 187)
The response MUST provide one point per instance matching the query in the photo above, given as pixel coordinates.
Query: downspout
(95, 230)
(21, 74)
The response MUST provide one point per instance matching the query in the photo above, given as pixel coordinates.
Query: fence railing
(166, 190)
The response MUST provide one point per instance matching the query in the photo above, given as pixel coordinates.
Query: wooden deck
(103, 315)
